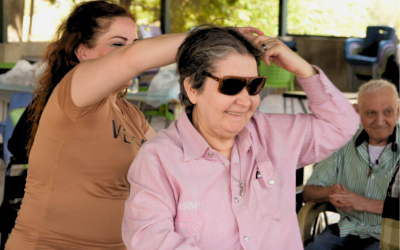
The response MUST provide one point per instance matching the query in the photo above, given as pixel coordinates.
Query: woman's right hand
(278, 53)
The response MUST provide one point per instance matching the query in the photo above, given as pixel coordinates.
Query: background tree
(262, 14)
(342, 18)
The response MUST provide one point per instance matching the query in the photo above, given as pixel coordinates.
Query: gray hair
(203, 48)
(375, 85)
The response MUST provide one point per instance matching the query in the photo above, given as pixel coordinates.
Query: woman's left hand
(277, 52)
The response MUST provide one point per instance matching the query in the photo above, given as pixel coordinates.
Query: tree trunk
(15, 18)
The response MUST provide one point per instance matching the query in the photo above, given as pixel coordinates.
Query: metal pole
(282, 17)
(164, 17)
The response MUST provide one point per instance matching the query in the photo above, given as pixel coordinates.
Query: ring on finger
(264, 46)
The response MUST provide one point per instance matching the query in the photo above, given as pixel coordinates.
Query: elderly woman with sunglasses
(223, 175)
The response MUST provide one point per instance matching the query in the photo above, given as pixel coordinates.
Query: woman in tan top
(87, 135)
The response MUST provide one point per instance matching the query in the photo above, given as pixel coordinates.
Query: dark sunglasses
(232, 85)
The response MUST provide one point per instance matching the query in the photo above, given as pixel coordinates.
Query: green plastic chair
(162, 110)
(15, 115)
(4, 67)
(277, 78)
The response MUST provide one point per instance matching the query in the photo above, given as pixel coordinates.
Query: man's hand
(346, 200)
(340, 204)
(335, 188)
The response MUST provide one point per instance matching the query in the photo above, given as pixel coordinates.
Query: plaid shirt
(390, 220)
(396, 185)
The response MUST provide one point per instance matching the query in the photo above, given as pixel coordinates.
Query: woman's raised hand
(250, 33)
(277, 52)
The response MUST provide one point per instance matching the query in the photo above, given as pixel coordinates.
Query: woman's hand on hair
(250, 33)
(278, 53)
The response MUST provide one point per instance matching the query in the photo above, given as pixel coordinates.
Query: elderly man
(355, 179)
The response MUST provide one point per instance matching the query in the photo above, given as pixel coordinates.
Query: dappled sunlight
(46, 19)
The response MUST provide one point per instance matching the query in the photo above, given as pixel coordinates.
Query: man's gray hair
(375, 85)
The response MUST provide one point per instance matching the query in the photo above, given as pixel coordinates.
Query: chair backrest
(313, 219)
(276, 77)
(375, 34)
(18, 100)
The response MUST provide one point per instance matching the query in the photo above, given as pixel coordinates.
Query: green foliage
(186, 14)
(146, 11)
(342, 18)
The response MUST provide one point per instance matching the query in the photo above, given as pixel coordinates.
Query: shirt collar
(363, 136)
(195, 146)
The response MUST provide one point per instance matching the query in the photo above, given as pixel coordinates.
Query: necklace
(241, 183)
(376, 161)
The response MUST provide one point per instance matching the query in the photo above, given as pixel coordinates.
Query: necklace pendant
(370, 172)
(242, 188)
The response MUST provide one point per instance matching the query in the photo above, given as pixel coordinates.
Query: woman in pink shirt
(223, 175)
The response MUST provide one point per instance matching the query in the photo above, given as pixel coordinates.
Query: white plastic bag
(164, 87)
(20, 74)
(23, 74)
(38, 69)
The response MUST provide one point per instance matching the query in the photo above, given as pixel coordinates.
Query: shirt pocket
(268, 191)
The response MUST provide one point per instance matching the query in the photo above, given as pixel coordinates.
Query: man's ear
(191, 92)
(356, 107)
(80, 52)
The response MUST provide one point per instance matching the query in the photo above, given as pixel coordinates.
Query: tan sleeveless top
(77, 177)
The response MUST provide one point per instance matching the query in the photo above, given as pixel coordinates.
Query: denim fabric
(329, 239)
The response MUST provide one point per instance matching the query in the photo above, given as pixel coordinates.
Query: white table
(6, 91)
(301, 95)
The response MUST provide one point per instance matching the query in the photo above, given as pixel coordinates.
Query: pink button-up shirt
(183, 197)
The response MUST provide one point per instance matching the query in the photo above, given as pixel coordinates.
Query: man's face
(379, 113)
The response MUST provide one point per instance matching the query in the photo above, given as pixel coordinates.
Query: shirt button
(210, 154)
(272, 182)
(236, 200)
(372, 176)
(246, 238)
